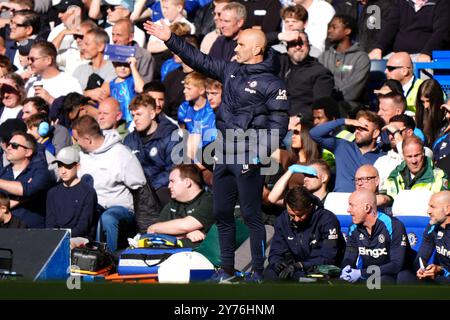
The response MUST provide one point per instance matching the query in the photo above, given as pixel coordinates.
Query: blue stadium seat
(167, 66)
(410, 207)
(376, 79)
(337, 202)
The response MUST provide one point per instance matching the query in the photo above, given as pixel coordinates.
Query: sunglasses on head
(16, 145)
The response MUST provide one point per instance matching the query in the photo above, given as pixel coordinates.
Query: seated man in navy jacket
(374, 239)
(306, 235)
(25, 181)
(152, 144)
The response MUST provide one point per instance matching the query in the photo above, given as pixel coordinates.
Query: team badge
(153, 152)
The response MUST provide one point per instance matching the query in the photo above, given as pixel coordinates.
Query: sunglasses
(400, 131)
(364, 179)
(111, 7)
(296, 132)
(295, 43)
(67, 166)
(33, 59)
(15, 145)
(22, 25)
(392, 68)
(78, 36)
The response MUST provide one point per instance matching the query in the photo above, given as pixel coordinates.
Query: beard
(364, 142)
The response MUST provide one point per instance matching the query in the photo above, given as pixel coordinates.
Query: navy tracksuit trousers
(234, 182)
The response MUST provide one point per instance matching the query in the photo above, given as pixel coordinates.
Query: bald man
(109, 117)
(373, 239)
(367, 177)
(436, 237)
(399, 67)
(253, 99)
(123, 35)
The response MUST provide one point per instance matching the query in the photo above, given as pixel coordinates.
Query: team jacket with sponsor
(253, 97)
(436, 238)
(387, 246)
(317, 241)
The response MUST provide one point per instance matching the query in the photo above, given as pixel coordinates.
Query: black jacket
(306, 81)
(253, 96)
(416, 32)
(316, 241)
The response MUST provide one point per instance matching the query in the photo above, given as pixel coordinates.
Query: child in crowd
(72, 203)
(7, 220)
(127, 84)
(214, 93)
(196, 114)
(38, 125)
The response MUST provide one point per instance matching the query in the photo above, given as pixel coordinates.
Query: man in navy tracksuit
(375, 239)
(253, 98)
(306, 235)
(436, 239)
(152, 144)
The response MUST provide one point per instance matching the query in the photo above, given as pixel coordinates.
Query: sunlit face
(357, 210)
(10, 96)
(38, 61)
(115, 13)
(191, 92)
(19, 29)
(425, 102)
(414, 156)
(311, 183)
(229, 24)
(143, 117)
(437, 210)
(90, 48)
(85, 143)
(108, 115)
(298, 50)
(17, 149)
(68, 172)
(28, 110)
(120, 35)
(159, 100)
(214, 95)
(244, 49)
(170, 10)
(296, 142)
(336, 31)
(291, 24)
(122, 69)
(177, 185)
(387, 109)
(366, 179)
(365, 135)
(217, 12)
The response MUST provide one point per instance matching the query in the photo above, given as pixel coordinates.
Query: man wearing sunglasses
(24, 28)
(25, 181)
(351, 155)
(399, 67)
(70, 12)
(305, 78)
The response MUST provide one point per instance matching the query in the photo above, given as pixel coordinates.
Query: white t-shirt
(139, 36)
(10, 113)
(58, 86)
(320, 14)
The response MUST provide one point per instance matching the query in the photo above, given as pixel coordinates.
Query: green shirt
(200, 208)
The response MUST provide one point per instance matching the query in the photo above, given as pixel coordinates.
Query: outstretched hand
(162, 32)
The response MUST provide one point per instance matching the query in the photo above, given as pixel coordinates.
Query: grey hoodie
(115, 171)
(351, 76)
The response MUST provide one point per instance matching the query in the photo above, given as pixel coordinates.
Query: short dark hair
(405, 119)
(46, 49)
(190, 171)
(299, 198)
(29, 140)
(397, 98)
(142, 100)
(4, 200)
(32, 19)
(328, 105)
(322, 164)
(72, 101)
(348, 22)
(297, 12)
(40, 104)
(155, 86)
(87, 126)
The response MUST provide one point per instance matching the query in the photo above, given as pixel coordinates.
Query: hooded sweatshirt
(114, 170)
(350, 70)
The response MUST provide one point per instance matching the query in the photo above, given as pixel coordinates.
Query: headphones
(44, 129)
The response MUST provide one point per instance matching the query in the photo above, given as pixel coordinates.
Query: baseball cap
(67, 155)
(127, 4)
(65, 4)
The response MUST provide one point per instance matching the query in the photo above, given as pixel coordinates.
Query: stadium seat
(439, 67)
(337, 202)
(410, 207)
(376, 79)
